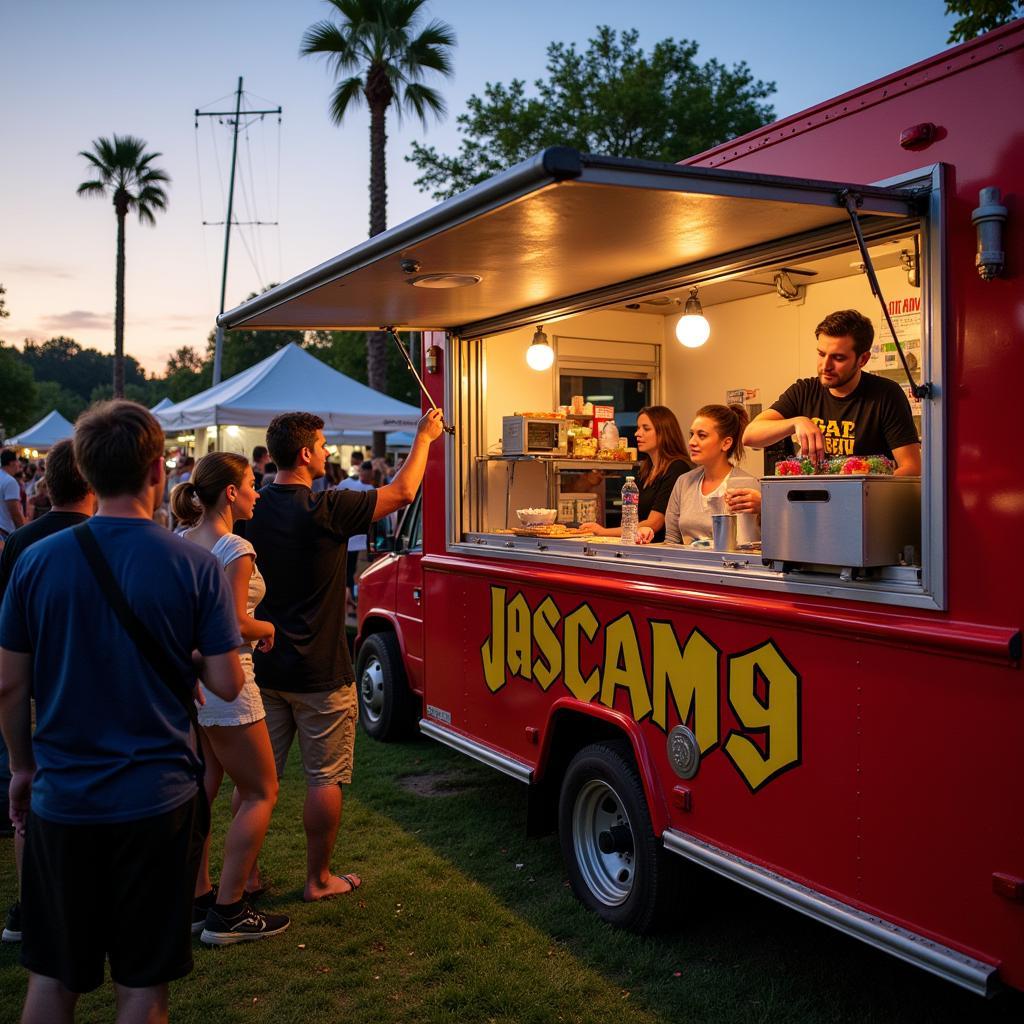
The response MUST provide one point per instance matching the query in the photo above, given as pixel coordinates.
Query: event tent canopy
(290, 380)
(164, 403)
(45, 434)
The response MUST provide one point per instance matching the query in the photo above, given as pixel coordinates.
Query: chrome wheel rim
(609, 876)
(371, 689)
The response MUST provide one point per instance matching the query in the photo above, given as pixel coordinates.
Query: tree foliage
(381, 54)
(124, 171)
(612, 98)
(78, 370)
(17, 392)
(976, 17)
(345, 351)
(50, 395)
(4, 311)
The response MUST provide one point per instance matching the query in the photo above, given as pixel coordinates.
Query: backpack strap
(148, 646)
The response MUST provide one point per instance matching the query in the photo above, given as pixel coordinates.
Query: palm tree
(381, 55)
(123, 172)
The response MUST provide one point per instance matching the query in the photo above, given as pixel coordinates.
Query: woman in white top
(715, 448)
(221, 492)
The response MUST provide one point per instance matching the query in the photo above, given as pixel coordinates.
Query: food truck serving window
(608, 251)
(859, 534)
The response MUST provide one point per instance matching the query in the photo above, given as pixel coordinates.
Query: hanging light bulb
(692, 328)
(540, 355)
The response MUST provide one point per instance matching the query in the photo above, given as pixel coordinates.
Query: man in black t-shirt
(844, 410)
(306, 679)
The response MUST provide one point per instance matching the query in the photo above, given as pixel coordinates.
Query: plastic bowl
(536, 516)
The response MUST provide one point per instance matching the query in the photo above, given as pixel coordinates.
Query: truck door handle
(417, 593)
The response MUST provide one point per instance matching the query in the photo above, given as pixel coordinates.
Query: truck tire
(617, 867)
(385, 704)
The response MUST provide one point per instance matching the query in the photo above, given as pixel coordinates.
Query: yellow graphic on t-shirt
(838, 434)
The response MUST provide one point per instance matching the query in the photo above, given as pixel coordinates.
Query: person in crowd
(355, 462)
(715, 447)
(12, 512)
(357, 542)
(306, 679)
(260, 458)
(73, 503)
(662, 453)
(234, 735)
(381, 471)
(331, 478)
(269, 473)
(33, 478)
(113, 840)
(39, 503)
(844, 410)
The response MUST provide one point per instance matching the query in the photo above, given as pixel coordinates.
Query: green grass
(463, 919)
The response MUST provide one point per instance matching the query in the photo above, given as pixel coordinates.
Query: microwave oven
(533, 435)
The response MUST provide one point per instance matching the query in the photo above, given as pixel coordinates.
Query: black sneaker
(200, 908)
(245, 926)
(12, 929)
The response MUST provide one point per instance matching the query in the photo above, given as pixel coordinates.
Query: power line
(234, 119)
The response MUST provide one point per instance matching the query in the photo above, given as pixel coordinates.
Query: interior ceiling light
(692, 328)
(540, 355)
(444, 280)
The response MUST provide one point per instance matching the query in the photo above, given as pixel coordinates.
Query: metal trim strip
(464, 745)
(975, 975)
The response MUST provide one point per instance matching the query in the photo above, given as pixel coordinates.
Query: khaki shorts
(326, 724)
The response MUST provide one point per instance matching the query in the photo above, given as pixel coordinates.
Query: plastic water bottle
(630, 507)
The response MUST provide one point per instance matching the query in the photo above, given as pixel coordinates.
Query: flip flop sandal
(353, 882)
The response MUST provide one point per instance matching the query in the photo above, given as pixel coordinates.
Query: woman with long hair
(716, 446)
(221, 492)
(662, 453)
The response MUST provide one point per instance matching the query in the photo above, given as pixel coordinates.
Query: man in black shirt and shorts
(306, 680)
(844, 410)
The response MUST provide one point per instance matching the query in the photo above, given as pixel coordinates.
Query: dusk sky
(74, 71)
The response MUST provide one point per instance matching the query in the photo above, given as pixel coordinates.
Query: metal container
(855, 521)
(723, 532)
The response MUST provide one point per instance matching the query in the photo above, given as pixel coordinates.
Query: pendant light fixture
(692, 328)
(540, 355)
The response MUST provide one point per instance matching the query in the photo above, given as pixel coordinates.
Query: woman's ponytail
(185, 505)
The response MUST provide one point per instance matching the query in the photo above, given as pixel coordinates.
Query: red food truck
(838, 729)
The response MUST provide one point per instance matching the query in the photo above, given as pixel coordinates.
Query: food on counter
(614, 455)
(585, 447)
(841, 465)
(554, 531)
(536, 516)
(558, 415)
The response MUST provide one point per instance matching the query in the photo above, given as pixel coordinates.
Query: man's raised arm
(402, 489)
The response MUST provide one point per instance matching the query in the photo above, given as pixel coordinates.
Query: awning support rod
(851, 201)
(419, 380)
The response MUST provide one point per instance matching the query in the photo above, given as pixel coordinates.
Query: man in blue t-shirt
(105, 789)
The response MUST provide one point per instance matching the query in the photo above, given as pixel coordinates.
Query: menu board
(905, 311)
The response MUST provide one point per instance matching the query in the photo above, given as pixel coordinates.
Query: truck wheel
(617, 867)
(385, 704)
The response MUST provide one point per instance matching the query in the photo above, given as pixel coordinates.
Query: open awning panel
(558, 226)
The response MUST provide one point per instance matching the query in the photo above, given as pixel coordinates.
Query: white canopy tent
(290, 380)
(164, 403)
(45, 434)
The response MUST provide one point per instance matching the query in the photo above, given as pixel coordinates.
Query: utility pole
(236, 115)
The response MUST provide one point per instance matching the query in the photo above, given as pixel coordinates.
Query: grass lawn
(462, 919)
